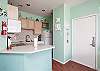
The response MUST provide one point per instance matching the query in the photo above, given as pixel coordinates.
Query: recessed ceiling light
(43, 10)
(28, 4)
(20, 5)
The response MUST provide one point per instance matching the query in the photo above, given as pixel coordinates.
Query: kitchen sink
(19, 44)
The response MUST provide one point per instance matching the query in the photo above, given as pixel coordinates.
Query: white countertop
(28, 49)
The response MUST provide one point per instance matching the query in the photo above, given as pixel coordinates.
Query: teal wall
(29, 15)
(99, 41)
(62, 52)
(87, 8)
(58, 36)
(3, 39)
(67, 24)
(50, 22)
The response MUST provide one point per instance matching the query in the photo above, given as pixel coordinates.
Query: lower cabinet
(39, 61)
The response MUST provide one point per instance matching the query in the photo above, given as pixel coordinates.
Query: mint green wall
(50, 22)
(3, 39)
(67, 46)
(58, 36)
(62, 52)
(29, 15)
(87, 8)
(99, 41)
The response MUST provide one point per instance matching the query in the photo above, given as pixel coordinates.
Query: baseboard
(58, 60)
(67, 61)
(61, 61)
(82, 64)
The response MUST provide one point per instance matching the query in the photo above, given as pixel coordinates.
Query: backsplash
(21, 36)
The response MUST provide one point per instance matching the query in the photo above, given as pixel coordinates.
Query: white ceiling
(37, 5)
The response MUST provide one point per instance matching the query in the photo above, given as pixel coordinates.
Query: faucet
(28, 39)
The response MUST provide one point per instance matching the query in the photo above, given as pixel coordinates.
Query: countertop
(28, 49)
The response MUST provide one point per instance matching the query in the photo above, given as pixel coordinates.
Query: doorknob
(93, 42)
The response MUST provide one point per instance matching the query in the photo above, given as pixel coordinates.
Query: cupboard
(27, 24)
(14, 25)
(12, 12)
(37, 27)
(30, 24)
(33, 25)
(23, 23)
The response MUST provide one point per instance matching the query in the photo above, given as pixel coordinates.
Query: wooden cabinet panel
(37, 28)
(31, 24)
(24, 23)
(27, 24)
(12, 12)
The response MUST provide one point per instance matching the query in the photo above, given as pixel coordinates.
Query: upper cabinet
(30, 24)
(37, 27)
(14, 26)
(33, 25)
(27, 24)
(24, 23)
(12, 12)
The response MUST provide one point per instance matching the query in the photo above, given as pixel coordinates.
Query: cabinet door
(24, 23)
(37, 28)
(14, 26)
(31, 24)
(12, 12)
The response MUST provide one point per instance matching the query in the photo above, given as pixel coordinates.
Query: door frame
(96, 34)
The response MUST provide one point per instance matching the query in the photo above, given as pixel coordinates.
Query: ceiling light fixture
(20, 5)
(28, 4)
(43, 10)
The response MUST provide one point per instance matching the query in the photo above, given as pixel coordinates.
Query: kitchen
(29, 42)
(49, 36)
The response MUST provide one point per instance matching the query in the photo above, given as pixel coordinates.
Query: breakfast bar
(27, 58)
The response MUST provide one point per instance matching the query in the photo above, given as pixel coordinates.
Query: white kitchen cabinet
(14, 26)
(37, 27)
(12, 12)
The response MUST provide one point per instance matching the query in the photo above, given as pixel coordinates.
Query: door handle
(93, 42)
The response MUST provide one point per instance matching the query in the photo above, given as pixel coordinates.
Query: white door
(83, 41)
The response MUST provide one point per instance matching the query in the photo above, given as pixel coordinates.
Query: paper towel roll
(35, 41)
